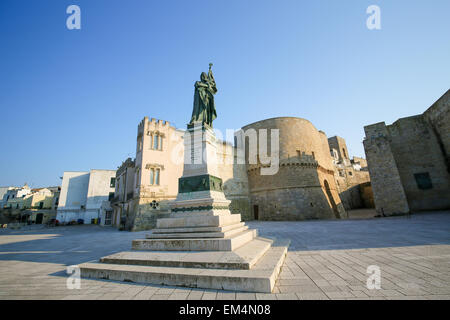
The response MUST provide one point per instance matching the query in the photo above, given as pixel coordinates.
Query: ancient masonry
(409, 161)
(304, 186)
(311, 183)
(201, 244)
(351, 176)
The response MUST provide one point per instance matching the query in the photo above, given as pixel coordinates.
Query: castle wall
(438, 117)
(348, 174)
(409, 162)
(349, 181)
(416, 151)
(389, 195)
(367, 195)
(304, 186)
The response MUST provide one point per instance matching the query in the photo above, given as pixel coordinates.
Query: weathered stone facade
(141, 200)
(304, 186)
(409, 161)
(350, 175)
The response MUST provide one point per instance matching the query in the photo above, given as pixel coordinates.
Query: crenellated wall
(304, 186)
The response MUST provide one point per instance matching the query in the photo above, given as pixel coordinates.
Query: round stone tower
(304, 186)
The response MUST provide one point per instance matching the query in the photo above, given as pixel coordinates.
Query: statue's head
(204, 77)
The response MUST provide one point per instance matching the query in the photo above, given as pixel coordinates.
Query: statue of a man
(204, 110)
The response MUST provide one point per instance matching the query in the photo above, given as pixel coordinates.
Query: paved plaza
(326, 260)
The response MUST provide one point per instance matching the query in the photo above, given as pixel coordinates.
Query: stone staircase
(201, 244)
(215, 256)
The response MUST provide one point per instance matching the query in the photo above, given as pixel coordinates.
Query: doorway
(108, 217)
(256, 212)
(39, 218)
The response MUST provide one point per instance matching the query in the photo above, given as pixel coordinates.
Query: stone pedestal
(201, 244)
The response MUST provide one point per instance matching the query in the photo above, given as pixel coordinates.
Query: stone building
(122, 203)
(86, 195)
(146, 185)
(39, 198)
(27, 205)
(351, 176)
(14, 197)
(304, 186)
(409, 161)
(3, 195)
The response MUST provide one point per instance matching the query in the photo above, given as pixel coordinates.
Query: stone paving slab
(325, 258)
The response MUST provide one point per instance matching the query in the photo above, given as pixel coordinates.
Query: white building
(4, 195)
(86, 195)
(13, 196)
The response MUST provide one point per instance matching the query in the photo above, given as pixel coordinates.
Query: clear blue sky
(72, 100)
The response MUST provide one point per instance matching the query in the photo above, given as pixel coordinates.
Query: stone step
(212, 212)
(212, 244)
(199, 229)
(195, 235)
(244, 257)
(198, 221)
(261, 278)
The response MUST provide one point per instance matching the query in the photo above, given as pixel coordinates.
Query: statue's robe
(204, 110)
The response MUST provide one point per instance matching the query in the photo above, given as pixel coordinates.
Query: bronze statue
(204, 110)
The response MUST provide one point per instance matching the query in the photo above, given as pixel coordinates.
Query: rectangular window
(152, 174)
(161, 143)
(423, 180)
(111, 196)
(157, 177)
(112, 183)
(155, 142)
